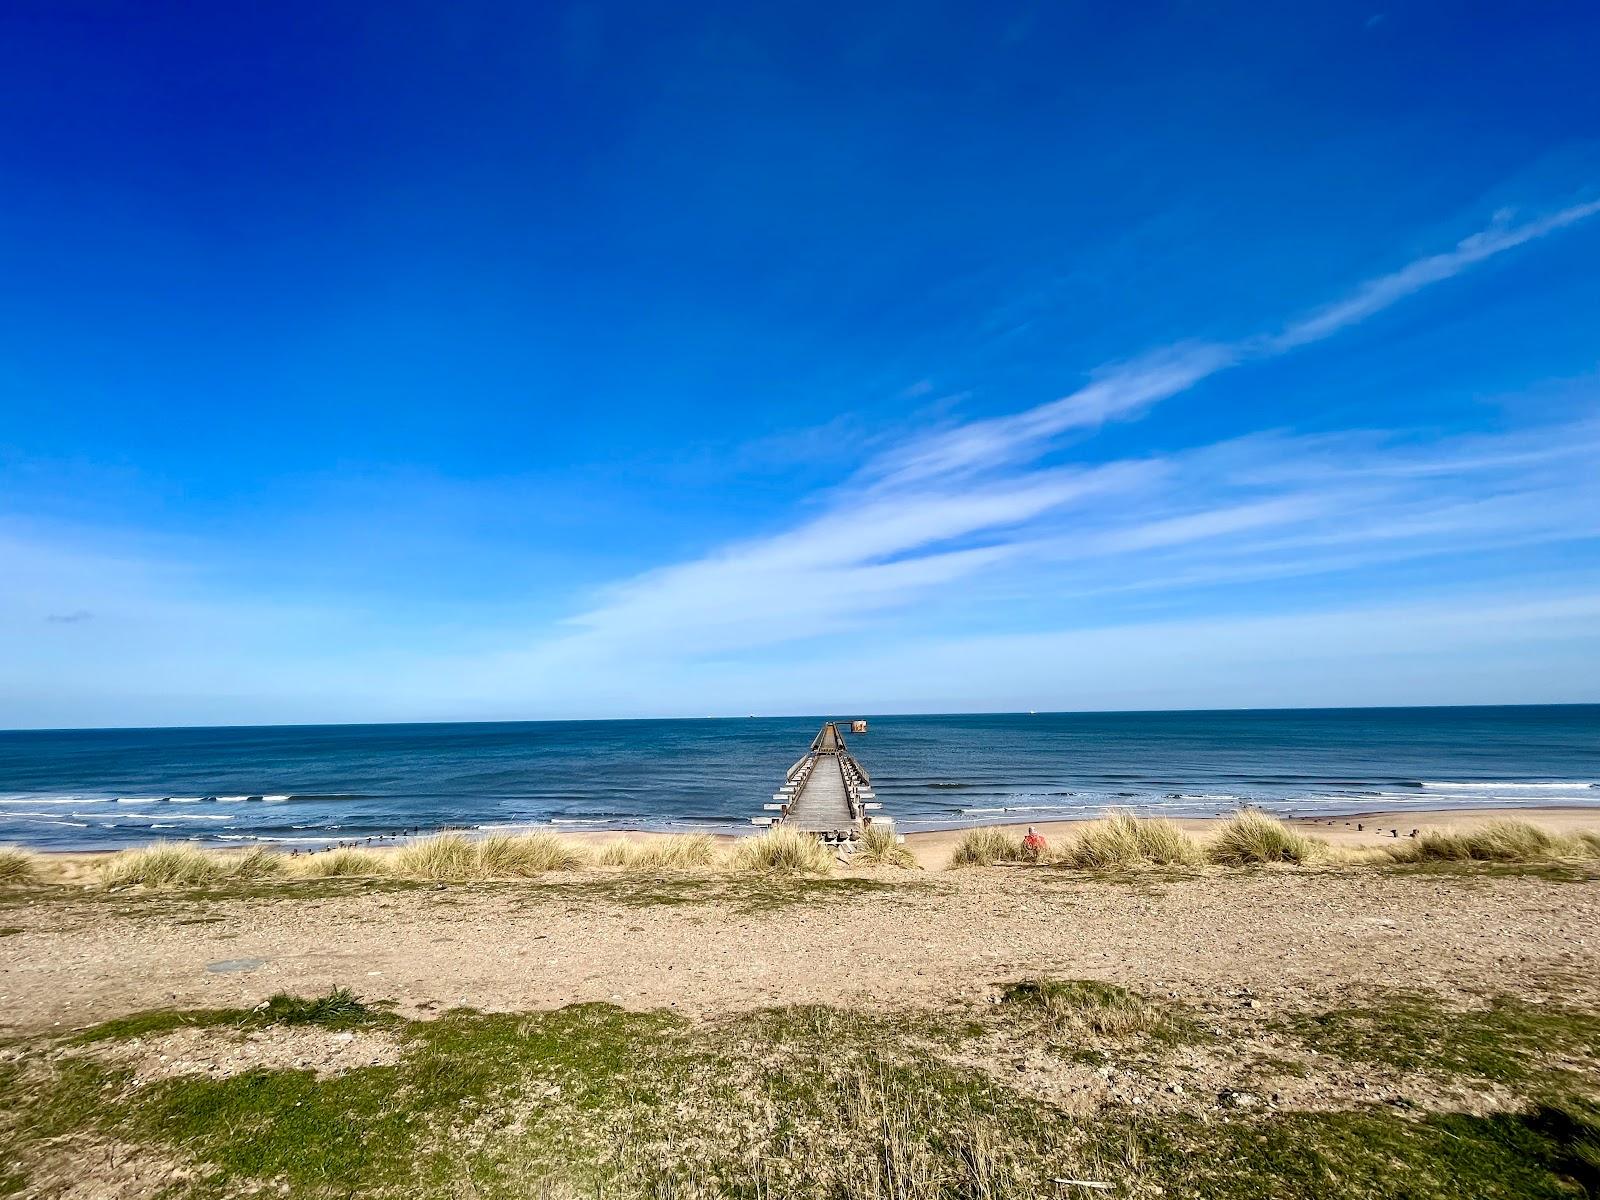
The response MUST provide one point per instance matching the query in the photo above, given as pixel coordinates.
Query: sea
(309, 786)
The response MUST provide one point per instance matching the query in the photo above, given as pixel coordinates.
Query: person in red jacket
(1034, 845)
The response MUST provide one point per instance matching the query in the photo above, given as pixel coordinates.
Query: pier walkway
(826, 793)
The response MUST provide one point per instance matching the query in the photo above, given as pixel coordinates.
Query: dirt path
(1289, 937)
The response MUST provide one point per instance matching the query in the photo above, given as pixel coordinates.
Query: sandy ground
(1288, 936)
(70, 958)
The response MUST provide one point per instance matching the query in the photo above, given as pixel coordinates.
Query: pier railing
(827, 792)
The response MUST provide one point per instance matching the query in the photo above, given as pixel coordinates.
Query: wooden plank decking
(825, 791)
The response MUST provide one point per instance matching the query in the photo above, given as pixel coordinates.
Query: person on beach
(1033, 845)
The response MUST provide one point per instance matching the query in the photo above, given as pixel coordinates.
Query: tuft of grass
(1497, 841)
(338, 1009)
(503, 856)
(679, 852)
(1087, 1006)
(443, 856)
(17, 866)
(255, 863)
(782, 849)
(1122, 840)
(164, 864)
(342, 863)
(880, 848)
(1249, 838)
(984, 847)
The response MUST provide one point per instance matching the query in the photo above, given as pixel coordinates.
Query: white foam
(1510, 786)
(176, 816)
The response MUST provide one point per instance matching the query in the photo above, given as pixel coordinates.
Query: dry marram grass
(679, 852)
(880, 848)
(782, 849)
(16, 866)
(343, 863)
(1119, 841)
(1249, 838)
(1123, 840)
(985, 847)
(164, 864)
(1496, 841)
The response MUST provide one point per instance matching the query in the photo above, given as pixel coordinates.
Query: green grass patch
(1471, 873)
(1546, 1153)
(1508, 1041)
(337, 1009)
(592, 1100)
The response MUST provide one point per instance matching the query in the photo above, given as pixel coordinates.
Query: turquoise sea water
(307, 785)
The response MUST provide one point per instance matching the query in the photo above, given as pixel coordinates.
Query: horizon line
(796, 716)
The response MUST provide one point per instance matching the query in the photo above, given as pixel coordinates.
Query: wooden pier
(826, 793)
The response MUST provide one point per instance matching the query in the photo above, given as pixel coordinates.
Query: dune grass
(17, 866)
(445, 856)
(676, 853)
(452, 858)
(164, 864)
(984, 847)
(880, 848)
(256, 863)
(1504, 841)
(505, 856)
(1250, 838)
(1122, 840)
(332, 864)
(781, 849)
(1119, 841)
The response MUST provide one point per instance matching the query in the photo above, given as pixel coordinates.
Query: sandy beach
(690, 940)
(1125, 1028)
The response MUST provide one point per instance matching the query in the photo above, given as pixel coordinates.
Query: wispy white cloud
(1129, 390)
(965, 504)
(1378, 294)
(944, 540)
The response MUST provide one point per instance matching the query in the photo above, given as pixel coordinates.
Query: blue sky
(382, 362)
